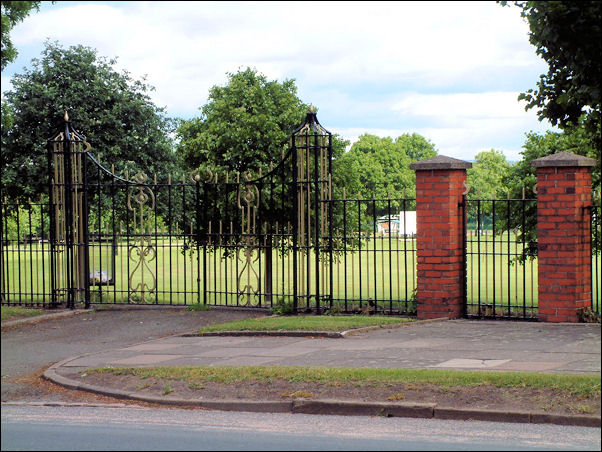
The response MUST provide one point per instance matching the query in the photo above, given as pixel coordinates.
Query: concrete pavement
(452, 344)
(448, 344)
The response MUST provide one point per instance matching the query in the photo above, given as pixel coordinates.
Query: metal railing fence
(25, 254)
(501, 258)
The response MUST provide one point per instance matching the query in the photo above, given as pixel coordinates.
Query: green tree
(377, 171)
(485, 181)
(246, 125)
(567, 36)
(12, 14)
(112, 109)
(522, 176)
(380, 167)
(486, 175)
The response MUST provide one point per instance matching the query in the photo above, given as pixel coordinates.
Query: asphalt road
(101, 428)
(28, 349)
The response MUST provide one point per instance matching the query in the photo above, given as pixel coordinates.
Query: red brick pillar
(563, 235)
(440, 242)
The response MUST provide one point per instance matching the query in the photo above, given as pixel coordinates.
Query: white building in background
(400, 225)
(407, 223)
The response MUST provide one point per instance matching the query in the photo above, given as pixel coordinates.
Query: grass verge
(576, 385)
(305, 323)
(12, 312)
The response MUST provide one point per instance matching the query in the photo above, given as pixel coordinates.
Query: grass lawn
(576, 385)
(305, 323)
(384, 270)
(12, 313)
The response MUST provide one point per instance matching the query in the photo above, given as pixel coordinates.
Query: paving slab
(453, 344)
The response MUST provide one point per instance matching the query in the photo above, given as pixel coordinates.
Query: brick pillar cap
(440, 162)
(563, 159)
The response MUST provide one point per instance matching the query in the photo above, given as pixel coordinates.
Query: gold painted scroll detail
(142, 281)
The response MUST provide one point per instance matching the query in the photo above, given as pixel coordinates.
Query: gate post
(68, 216)
(563, 235)
(440, 186)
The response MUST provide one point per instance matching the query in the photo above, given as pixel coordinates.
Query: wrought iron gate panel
(221, 239)
(500, 258)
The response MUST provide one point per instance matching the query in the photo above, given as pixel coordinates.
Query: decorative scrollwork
(248, 280)
(141, 201)
(194, 176)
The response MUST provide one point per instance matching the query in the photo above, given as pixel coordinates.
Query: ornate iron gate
(229, 239)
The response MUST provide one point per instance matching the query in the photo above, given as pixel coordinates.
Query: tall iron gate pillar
(69, 226)
(312, 179)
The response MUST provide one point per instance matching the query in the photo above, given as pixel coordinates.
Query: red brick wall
(563, 229)
(439, 243)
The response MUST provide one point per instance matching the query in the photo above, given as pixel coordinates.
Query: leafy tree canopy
(112, 109)
(245, 125)
(567, 36)
(376, 166)
(12, 14)
(486, 175)
(522, 174)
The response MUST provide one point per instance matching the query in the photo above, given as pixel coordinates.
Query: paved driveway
(27, 349)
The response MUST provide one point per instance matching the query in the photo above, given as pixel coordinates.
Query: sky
(450, 71)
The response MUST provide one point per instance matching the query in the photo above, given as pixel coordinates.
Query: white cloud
(443, 68)
(461, 106)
